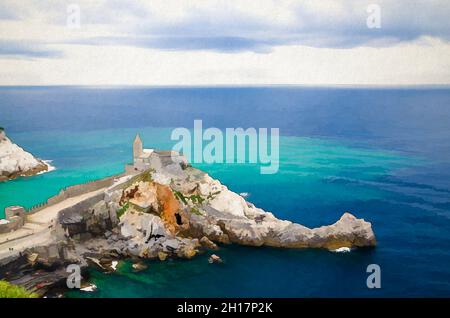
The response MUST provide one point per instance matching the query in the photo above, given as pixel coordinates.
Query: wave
(91, 288)
(342, 250)
(49, 166)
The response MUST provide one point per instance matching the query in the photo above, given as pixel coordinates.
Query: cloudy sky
(207, 42)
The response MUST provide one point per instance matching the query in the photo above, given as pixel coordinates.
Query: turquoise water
(308, 166)
(78, 157)
(380, 154)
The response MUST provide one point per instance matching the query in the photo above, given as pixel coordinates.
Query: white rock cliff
(16, 162)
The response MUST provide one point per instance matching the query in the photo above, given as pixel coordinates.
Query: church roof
(137, 138)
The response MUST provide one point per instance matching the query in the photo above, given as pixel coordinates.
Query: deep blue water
(383, 154)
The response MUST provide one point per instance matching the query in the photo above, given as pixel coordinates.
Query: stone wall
(90, 218)
(68, 214)
(15, 220)
(75, 190)
(130, 169)
(13, 224)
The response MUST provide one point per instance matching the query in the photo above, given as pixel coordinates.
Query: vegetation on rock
(8, 290)
(122, 210)
(180, 196)
(194, 210)
(145, 176)
(195, 198)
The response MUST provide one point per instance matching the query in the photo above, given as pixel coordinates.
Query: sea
(382, 154)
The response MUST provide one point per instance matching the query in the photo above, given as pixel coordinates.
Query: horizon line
(356, 86)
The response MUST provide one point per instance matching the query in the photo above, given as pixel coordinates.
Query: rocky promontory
(16, 162)
(170, 210)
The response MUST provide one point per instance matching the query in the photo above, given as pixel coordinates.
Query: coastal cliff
(170, 210)
(189, 204)
(16, 162)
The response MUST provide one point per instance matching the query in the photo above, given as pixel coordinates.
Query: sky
(209, 42)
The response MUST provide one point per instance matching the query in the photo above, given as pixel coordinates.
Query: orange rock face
(170, 211)
(157, 198)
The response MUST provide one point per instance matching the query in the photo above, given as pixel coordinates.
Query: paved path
(37, 229)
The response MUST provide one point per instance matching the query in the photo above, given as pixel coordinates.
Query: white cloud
(403, 64)
(224, 42)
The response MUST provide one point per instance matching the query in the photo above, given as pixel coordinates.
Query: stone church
(144, 159)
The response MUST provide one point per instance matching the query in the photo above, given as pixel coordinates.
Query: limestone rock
(143, 195)
(148, 237)
(162, 256)
(206, 242)
(214, 259)
(201, 226)
(267, 230)
(139, 266)
(228, 217)
(16, 162)
(142, 227)
(158, 199)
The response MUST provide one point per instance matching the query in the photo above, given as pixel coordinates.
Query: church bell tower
(137, 147)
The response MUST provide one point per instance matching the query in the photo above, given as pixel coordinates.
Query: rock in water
(214, 259)
(162, 256)
(114, 265)
(207, 243)
(139, 266)
(16, 162)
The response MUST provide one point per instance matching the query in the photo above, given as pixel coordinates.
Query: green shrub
(180, 196)
(137, 208)
(145, 176)
(196, 199)
(122, 210)
(211, 196)
(194, 210)
(8, 290)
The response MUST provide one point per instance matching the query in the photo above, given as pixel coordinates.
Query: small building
(144, 159)
(141, 156)
(14, 219)
(14, 210)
